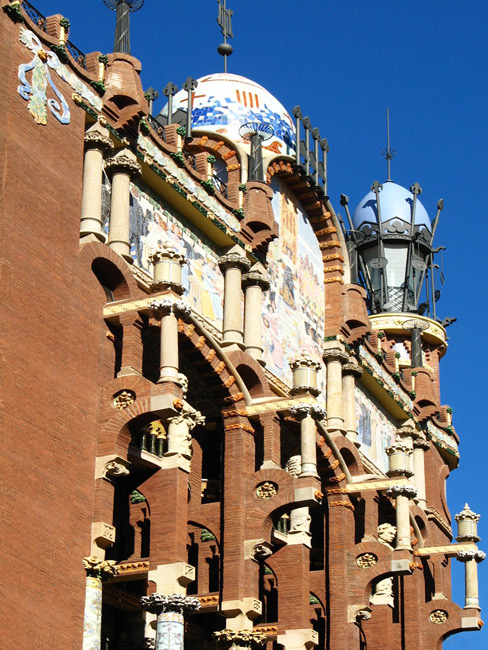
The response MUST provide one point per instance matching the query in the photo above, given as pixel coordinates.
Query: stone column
(167, 264)
(96, 571)
(97, 145)
(233, 264)
(255, 283)
(166, 310)
(170, 610)
(420, 446)
(471, 560)
(239, 639)
(307, 414)
(402, 494)
(122, 167)
(179, 432)
(350, 371)
(334, 357)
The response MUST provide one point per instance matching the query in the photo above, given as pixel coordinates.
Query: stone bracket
(172, 578)
(383, 484)
(247, 608)
(450, 549)
(298, 639)
(306, 496)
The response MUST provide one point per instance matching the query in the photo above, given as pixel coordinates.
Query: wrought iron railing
(36, 16)
(190, 159)
(76, 54)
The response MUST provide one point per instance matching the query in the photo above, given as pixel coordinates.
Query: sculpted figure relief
(383, 591)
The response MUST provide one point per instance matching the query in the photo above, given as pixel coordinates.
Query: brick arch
(202, 526)
(93, 251)
(224, 150)
(114, 436)
(261, 387)
(320, 218)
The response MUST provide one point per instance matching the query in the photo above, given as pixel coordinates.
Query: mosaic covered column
(402, 494)
(170, 611)
(239, 639)
(334, 356)
(167, 311)
(255, 283)
(122, 168)
(97, 145)
(350, 371)
(96, 571)
(307, 414)
(233, 265)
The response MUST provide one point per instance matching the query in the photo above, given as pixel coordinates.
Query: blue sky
(344, 63)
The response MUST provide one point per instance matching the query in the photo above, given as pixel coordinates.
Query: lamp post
(122, 24)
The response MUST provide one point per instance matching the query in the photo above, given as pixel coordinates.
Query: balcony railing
(76, 54)
(36, 16)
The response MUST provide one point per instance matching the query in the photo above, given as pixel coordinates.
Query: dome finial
(224, 20)
(388, 153)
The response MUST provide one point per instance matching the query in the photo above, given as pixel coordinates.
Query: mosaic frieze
(376, 428)
(191, 187)
(154, 222)
(380, 374)
(294, 306)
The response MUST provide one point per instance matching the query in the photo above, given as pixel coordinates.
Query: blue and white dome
(222, 103)
(395, 207)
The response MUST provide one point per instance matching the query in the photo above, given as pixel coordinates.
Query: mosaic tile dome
(222, 103)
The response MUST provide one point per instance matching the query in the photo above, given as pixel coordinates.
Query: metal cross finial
(224, 20)
(388, 153)
(151, 94)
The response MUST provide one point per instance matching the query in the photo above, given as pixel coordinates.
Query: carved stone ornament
(261, 552)
(115, 469)
(266, 490)
(315, 411)
(162, 306)
(167, 252)
(421, 443)
(305, 362)
(235, 261)
(352, 369)
(124, 399)
(467, 513)
(294, 466)
(255, 279)
(466, 556)
(97, 140)
(123, 164)
(157, 603)
(240, 638)
(335, 354)
(402, 490)
(363, 615)
(438, 616)
(182, 309)
(99, 568)
(366, 560)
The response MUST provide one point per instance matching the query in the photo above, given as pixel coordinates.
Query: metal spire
(122, 26)
(224, 20)
(388, 153)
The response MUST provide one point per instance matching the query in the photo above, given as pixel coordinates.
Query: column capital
(302, 411)
(352, 368)
(335, 353)
(167, 252)
(421, 443)
(123, 162)
(101, 569)
(157, 603)
(98, 138)
(255, 279)
(240, 638)
(407, 491)
(466, 556)
(234, 260)
(165, 306)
